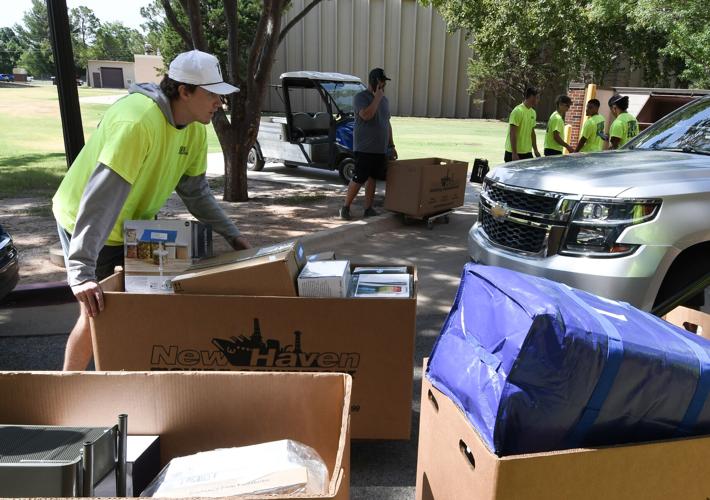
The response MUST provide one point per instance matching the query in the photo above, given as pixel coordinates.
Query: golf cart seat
(315, 128)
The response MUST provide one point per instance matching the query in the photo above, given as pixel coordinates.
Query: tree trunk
(235, 172)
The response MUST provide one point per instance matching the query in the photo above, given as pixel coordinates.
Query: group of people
(521, 141)
(153, 142)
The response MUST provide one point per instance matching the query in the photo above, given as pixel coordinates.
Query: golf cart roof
(317, 75)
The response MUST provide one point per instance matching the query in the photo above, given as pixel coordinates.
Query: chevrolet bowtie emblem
(499, 211)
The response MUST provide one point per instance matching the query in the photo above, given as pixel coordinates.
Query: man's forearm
(99, 208)
(514, 139)
(197, 196)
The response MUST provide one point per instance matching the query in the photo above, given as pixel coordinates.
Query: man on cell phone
(372, 141)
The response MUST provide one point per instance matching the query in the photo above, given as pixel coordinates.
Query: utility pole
(65, 78)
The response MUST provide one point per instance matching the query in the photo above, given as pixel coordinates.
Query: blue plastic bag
(537, 366)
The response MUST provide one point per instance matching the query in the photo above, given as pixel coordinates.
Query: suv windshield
(687, 130)
(343, 93)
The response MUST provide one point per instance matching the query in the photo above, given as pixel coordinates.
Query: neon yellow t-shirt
(625, 127)
(136, 141)
(593, 131)
(555, 123)
(524, 118)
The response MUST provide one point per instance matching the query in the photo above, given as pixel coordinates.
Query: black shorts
(522, 156)
(369, 165)
(109, 257)
(552, 152)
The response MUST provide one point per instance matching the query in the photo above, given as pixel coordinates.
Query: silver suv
(631, 225)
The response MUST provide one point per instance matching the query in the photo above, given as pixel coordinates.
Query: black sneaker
(370, 212)
(345, 213)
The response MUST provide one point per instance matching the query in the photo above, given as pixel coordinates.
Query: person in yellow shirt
(624, 127)
(556, 128)
(520, 141)
(149, 143)
(592, 137)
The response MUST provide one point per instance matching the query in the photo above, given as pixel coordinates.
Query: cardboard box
(326, 278)
(453, 462)
(194, 411)
(371, 339)
(155, 251)
(270, 270)
(425, 186)
(694, 321)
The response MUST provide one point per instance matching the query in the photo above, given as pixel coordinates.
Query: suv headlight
(598, 222)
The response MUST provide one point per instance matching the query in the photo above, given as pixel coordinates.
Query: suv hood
(610, 173)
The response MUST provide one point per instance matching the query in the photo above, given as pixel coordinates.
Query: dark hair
(563, 99)
(530, 91)
(594, 102)
(621, 102)
(171, 88)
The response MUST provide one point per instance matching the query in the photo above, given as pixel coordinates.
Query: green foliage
(34, 39)
(517, 43)
(10, 50)
(685, 24)
(84, 25)
(116, 42)
(163, 37)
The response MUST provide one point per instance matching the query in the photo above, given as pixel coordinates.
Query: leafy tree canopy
(517, 43)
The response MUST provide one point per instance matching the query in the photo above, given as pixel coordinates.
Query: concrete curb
(327, 239)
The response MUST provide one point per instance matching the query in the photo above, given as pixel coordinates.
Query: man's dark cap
(378, 74)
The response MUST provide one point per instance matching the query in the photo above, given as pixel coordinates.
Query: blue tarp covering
(536, 366)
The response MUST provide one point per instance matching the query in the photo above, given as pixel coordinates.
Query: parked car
(7, 77)
(9, 267)
(317, 129)
(632, 224)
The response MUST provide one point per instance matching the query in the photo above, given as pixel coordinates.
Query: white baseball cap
(201, 69)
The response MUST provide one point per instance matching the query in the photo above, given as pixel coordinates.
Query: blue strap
(702, 388)
(614, 357)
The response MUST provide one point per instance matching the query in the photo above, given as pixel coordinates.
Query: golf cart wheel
(346, 169)
(253, 161)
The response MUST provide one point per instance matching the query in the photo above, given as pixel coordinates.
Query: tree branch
(296, 19)
(173, 20)
(195, 19)
(232, 17)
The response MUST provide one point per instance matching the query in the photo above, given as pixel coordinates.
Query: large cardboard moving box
(454, 463)
(425, 186)
(194, 411)
(371, 339)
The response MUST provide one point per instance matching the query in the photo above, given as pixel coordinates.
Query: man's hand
(514, 156)
(90, 297)
(239, 243)
(537, 154)
(380, 92)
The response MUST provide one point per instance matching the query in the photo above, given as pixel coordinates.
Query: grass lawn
(32, 160)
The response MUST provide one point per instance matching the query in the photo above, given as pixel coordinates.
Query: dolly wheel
(253, 161)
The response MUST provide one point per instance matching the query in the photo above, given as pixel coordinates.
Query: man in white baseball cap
(150, 143)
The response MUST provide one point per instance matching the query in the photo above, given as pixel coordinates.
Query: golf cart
(317, 129)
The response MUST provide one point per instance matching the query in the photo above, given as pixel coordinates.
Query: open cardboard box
(425, 186)
(195, 411)
(694, 321)
(454, 463)
(372, 339)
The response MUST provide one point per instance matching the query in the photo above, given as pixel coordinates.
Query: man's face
(533, 100)
(202, 104)
(592, 109)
